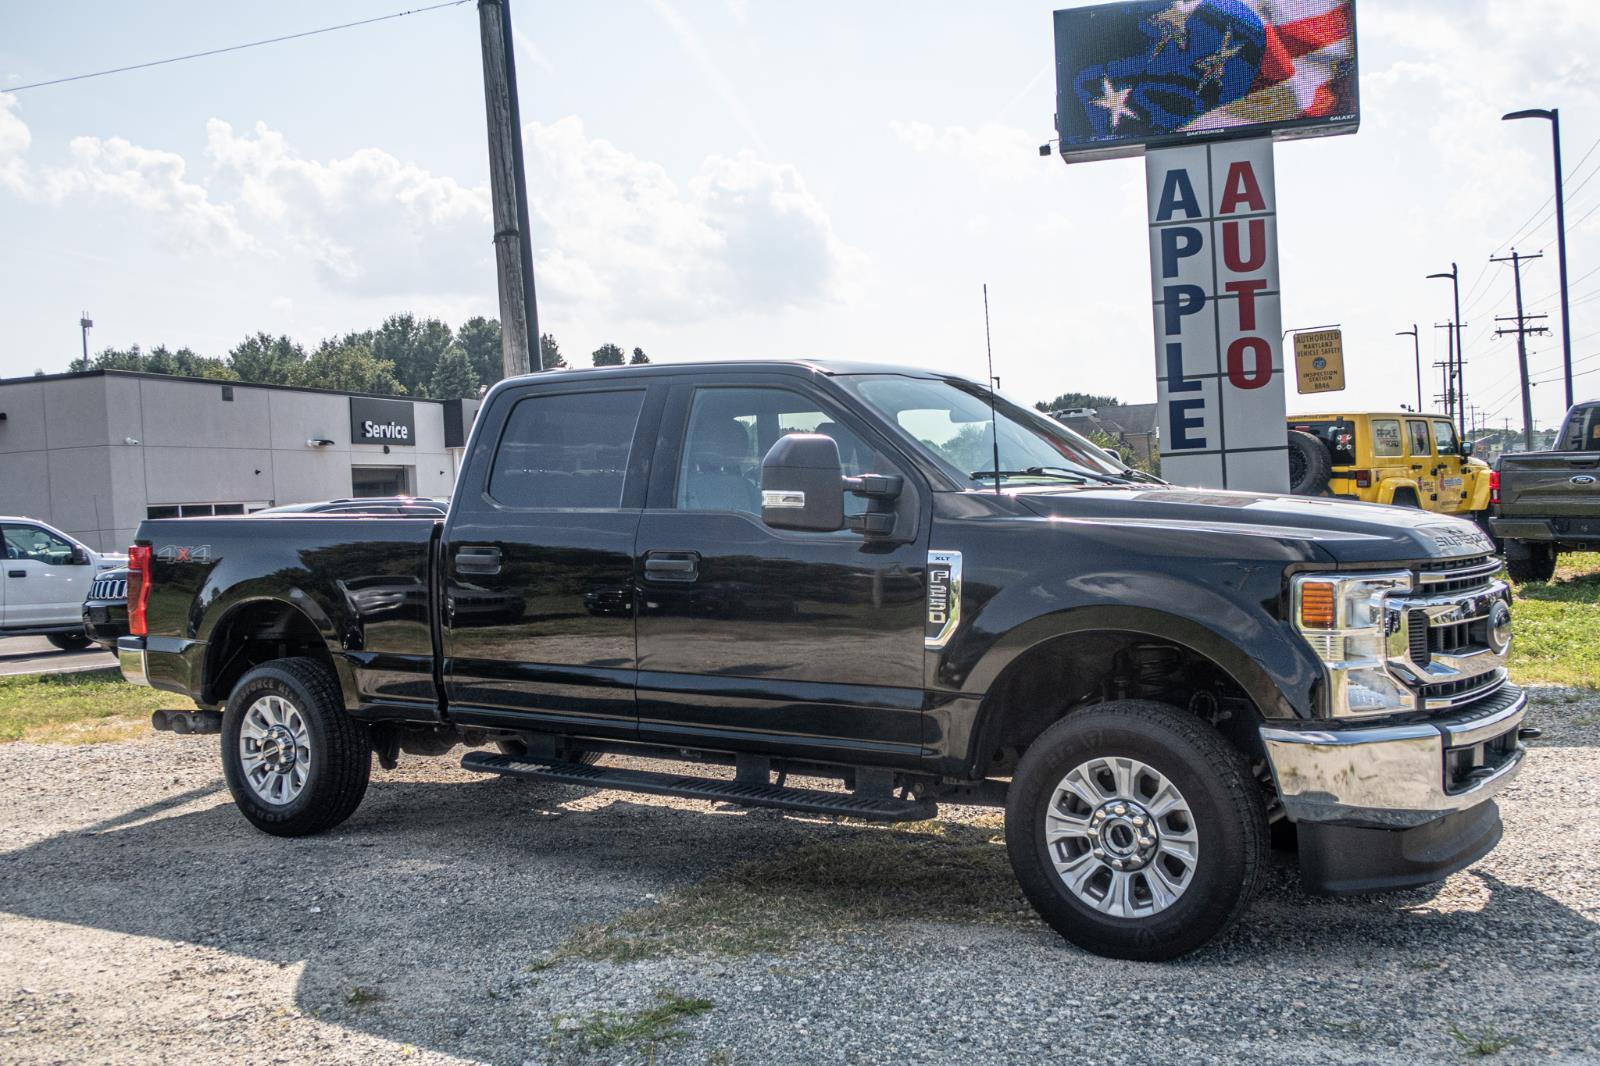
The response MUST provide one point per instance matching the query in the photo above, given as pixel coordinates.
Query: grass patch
(608, 1029)
(937, 871)
(1482, 1044)
(1555, 624)
(82, 708)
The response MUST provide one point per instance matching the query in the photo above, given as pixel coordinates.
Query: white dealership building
(95, 453)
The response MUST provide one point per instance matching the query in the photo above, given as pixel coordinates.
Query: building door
(748, 634)
(370, 481)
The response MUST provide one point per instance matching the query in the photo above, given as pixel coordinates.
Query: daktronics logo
(384, 431)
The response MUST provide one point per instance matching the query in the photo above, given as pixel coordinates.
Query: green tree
(479, 337)
(1077, 399)
(349, 366)
(550, 353)
(413, 346)
(184, 362)
(609, 355)
(266, 359)
(639, 357)
(453, 377)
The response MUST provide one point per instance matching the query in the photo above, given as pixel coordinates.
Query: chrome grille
(1438, 643)
(109, 588)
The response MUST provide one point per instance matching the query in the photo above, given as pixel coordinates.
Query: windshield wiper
(1059, 473)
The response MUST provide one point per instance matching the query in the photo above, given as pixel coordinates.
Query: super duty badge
(944, 599)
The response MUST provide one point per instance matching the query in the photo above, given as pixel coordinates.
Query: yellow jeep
(1410, 460)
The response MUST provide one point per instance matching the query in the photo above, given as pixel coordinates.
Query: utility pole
(1521, 329)
(513, 244)
(85, 323)
(1554, 116)
(1460, 353)
(1416, 353)
(1449, 364)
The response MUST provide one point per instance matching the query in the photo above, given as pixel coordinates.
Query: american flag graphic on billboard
(1131, 75)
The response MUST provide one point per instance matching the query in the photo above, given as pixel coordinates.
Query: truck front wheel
(1135, 830)
(295, 761)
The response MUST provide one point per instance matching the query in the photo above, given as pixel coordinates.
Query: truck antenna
(994, 432)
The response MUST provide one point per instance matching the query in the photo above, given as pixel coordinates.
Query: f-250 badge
(944, 599)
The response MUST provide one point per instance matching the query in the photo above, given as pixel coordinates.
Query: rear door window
(1420, 444)
(1386, 441)
(566, 451)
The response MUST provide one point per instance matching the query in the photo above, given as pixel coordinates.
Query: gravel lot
(457, 918)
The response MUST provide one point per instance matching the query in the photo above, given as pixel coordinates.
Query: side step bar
(812, 801)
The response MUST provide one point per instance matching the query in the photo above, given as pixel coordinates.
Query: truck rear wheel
(295, 761)
(1136, 831)
(1527, 561)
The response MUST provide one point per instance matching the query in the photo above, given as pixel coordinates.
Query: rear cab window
(1582, 433)
(566, 451)
(1386, 442)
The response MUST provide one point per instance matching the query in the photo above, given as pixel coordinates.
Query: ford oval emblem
(1584, 479)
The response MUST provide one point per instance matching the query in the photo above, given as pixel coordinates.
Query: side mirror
(80, 556)
(802, 484)
(1466, 449)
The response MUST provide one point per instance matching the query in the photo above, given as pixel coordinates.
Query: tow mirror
(802, 484)
(1466, 449)
(80, 556)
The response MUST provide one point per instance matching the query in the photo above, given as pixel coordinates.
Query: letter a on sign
(1218, 329)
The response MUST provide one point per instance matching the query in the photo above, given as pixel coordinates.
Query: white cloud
(1003, 151)
(371, 223)
(615, 234)
(14, 141)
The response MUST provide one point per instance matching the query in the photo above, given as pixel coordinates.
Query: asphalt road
(452, 920)
(36, 655)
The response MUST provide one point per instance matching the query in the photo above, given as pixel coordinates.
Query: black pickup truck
(871, 576)
(1545, 503)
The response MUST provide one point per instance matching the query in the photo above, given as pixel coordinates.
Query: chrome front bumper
(133, 661)
(1399, 776)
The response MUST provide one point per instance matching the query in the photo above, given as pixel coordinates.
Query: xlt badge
(944, 599)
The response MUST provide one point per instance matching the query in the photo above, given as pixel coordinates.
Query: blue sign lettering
(1179, 242)
(1178, 417)
(1176, 382)
(1178, 301)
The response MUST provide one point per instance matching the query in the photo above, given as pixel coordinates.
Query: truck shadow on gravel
(432, 916)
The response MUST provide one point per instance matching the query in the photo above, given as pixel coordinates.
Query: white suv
(46, 577)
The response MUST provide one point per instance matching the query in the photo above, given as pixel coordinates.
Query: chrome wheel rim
(275, 749)
(1122, 837)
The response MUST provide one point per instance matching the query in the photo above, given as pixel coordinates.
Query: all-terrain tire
(339, 749)
(1215, 782)
(1530, 561)
(70, 641)
(1310, 465)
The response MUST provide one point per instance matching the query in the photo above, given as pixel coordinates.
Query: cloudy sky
(734, 178)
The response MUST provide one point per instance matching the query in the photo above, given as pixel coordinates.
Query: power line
(233, 47)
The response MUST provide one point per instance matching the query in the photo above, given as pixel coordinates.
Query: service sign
(1319, 361)
(375, 421)
(1218, 331)
(1131, 76)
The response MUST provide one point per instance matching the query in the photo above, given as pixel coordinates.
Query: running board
(809, 800)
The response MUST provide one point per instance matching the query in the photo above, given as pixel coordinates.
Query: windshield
(950, 418)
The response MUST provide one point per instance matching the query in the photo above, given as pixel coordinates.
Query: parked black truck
(1549, 502)
(807, 570)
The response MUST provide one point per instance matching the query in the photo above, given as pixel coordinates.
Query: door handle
(478, 559)
(672, 566)
(16, 573)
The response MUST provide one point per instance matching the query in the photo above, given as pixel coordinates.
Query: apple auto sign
(374, 421)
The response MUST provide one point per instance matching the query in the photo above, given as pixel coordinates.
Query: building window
(227, 394)
(201, 510)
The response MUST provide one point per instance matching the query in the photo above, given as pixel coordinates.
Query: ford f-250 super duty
(1549, 502)
(786, 569)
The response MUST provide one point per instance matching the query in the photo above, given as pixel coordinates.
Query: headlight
(1342, 617)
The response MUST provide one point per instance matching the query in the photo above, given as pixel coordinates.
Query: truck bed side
(358, 592)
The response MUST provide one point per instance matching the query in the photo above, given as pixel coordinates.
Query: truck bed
(1563, 487)
(365, 584)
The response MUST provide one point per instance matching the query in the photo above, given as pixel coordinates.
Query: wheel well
(1065, 673)
(258, 633)
(1406, 493)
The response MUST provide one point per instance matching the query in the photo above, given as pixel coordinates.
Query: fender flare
(1391, 485)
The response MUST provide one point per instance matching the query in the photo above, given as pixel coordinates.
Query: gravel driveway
(458, 918)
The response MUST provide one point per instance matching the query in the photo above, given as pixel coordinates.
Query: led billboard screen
(1159, 72)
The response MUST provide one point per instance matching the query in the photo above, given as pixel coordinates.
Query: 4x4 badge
(944, 599)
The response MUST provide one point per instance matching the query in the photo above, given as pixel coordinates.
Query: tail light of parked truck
(138, 588)
(1494, 487)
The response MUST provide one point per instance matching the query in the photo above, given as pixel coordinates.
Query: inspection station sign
(1201, 88)
(1319, 360)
